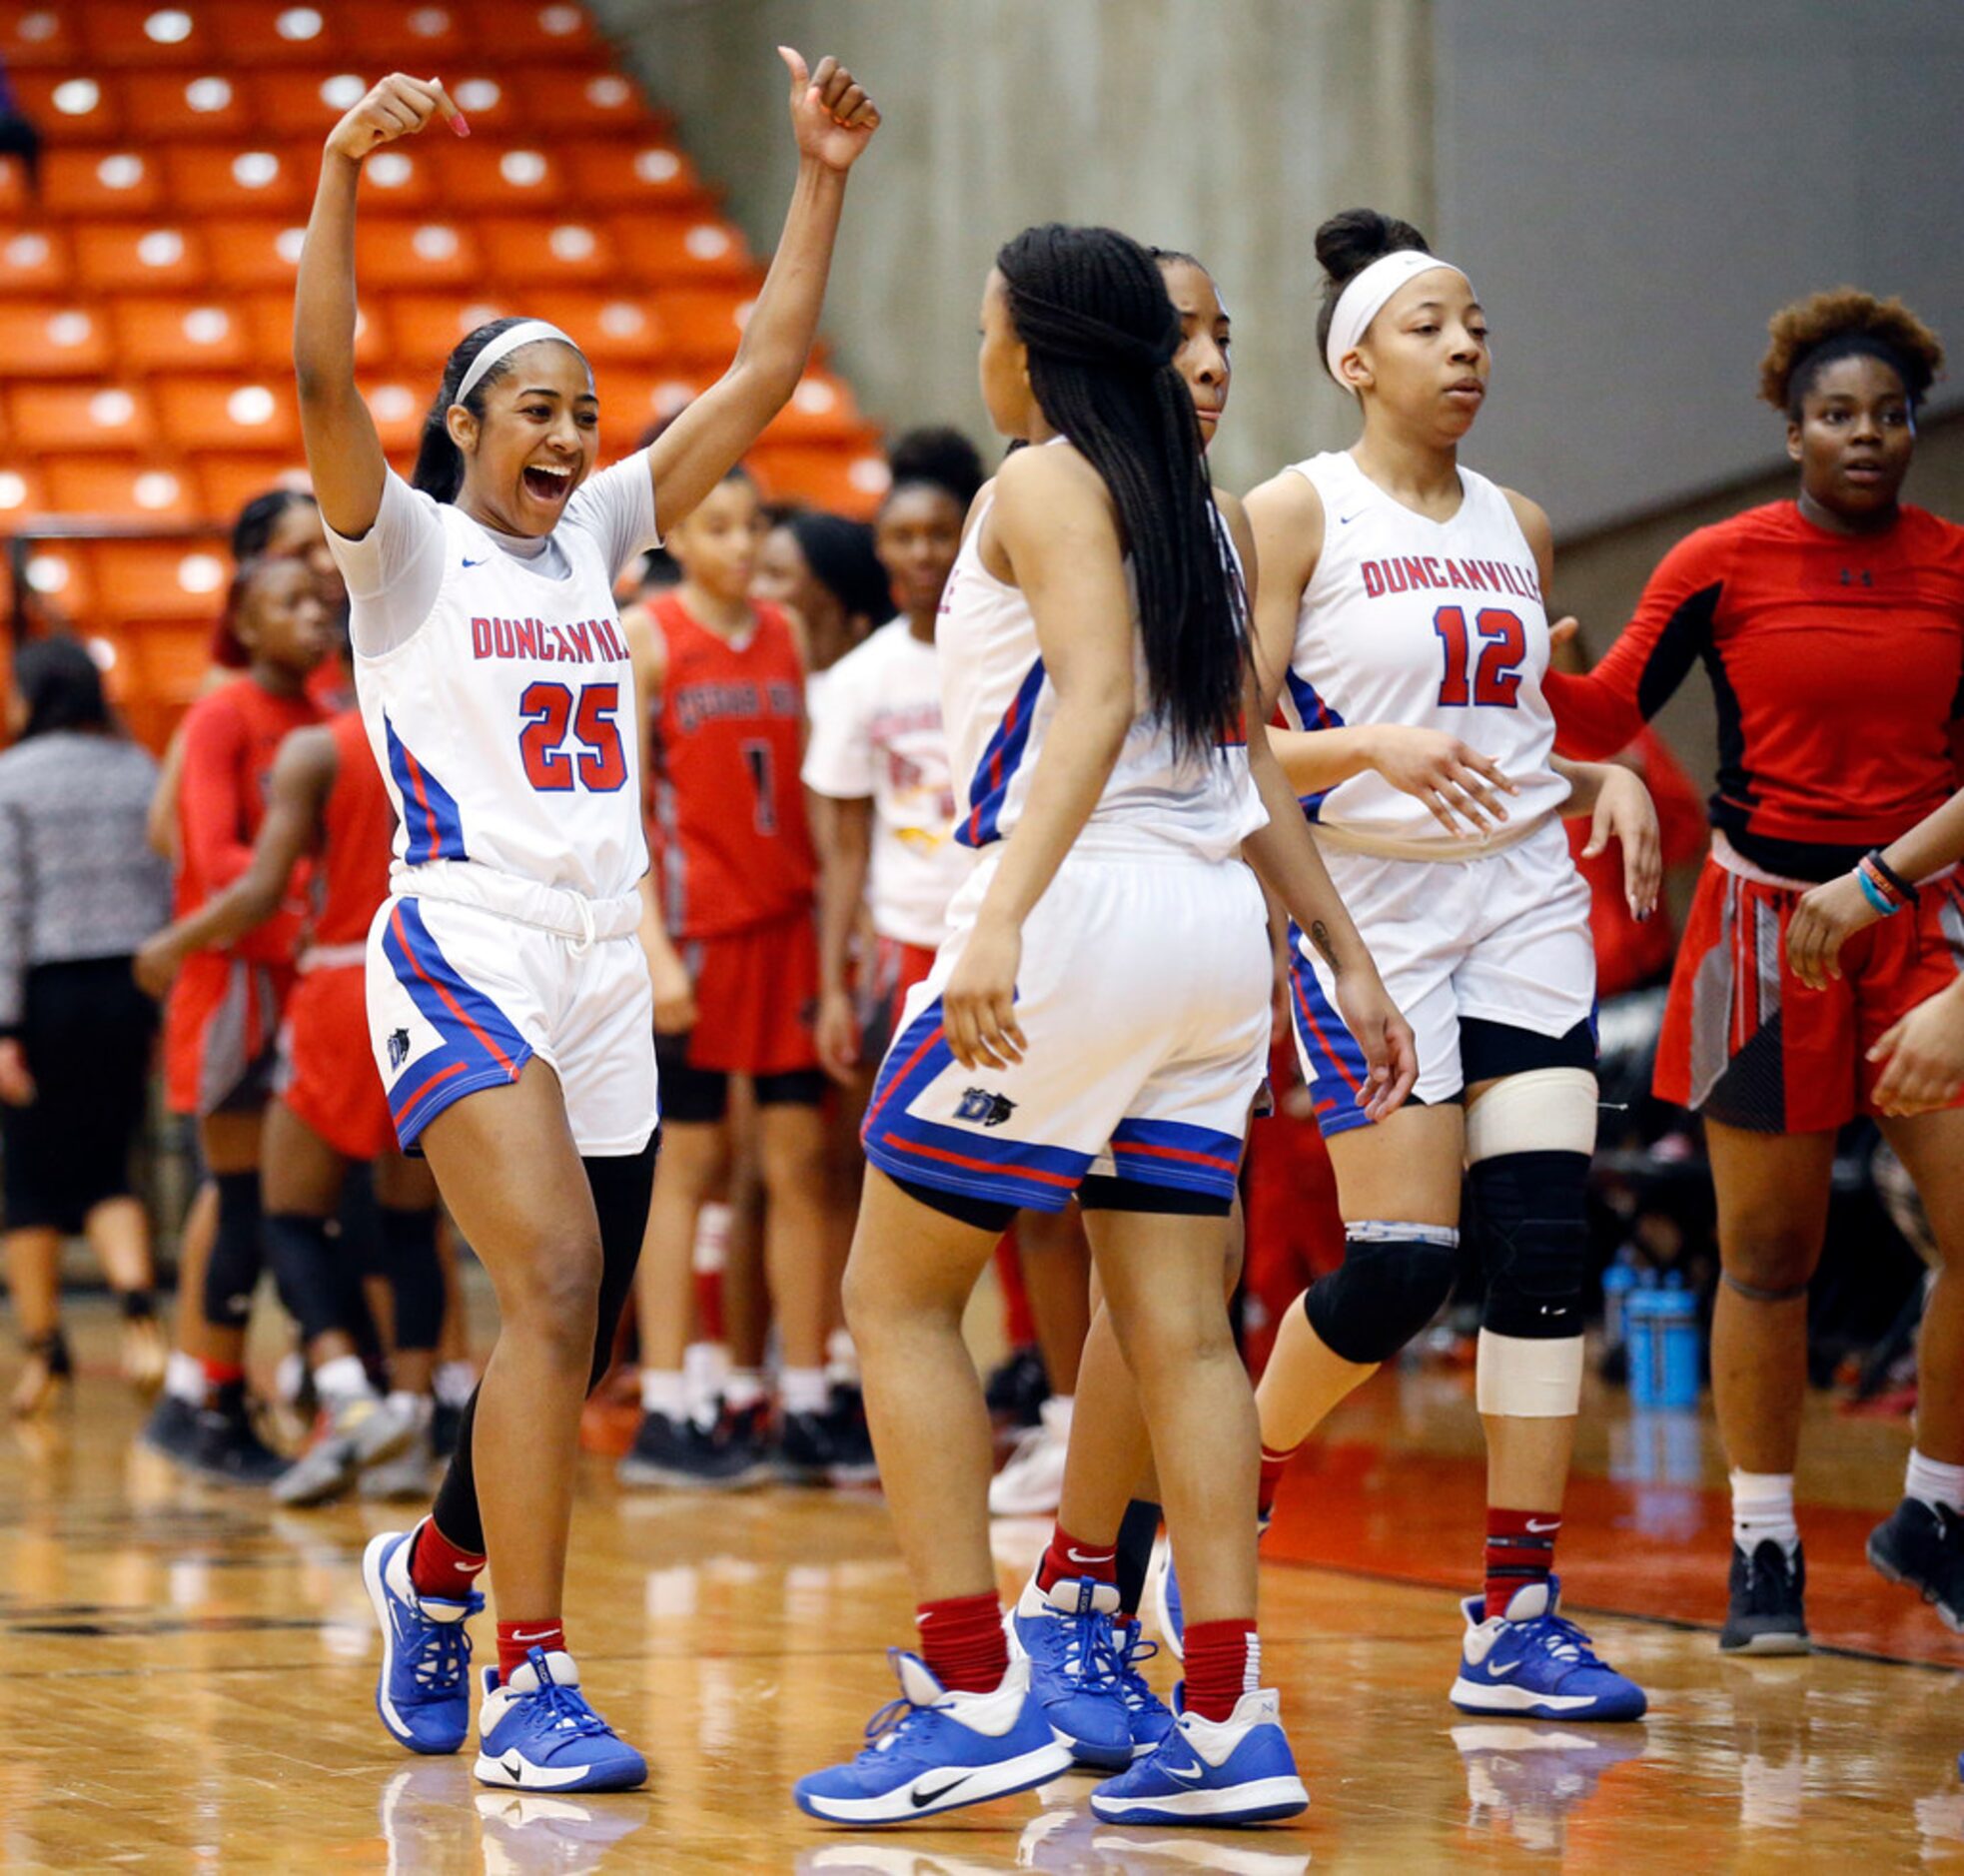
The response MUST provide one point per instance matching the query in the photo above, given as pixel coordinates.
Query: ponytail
(438, 468)
(1092, 309)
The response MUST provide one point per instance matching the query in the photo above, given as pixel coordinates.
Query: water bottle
(1617, 1282)
(1665, 1352)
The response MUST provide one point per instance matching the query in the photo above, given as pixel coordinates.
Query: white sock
(343, 1379)
(1762, 1508)
(706, 1363)
(743, 1388)
(664, 1391)
(417, 1407)
(452, 1382)
(841, 1358)
(803, 1390)
(184, 1379)
(1934, 1482)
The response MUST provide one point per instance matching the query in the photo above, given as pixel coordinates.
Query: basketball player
(1833, 630)
(508, 999)
(1098, 750)
(327, 799)
(725, 688)
(1406, 591)
(223, 1018)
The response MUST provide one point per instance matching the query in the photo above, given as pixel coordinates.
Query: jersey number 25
(1496, 677)
(547, 710)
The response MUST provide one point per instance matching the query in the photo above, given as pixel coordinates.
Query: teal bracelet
(1874, 894)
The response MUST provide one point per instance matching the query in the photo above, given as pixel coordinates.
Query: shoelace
(1559, 1636)
(884, 1729)
(564, 1710)
(1089, 1657)
(443, 1655)
(1134, 1650)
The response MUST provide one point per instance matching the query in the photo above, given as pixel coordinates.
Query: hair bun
(1353, 238)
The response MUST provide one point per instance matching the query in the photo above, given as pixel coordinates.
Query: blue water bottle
(1664, 1353)
(1617, 1282)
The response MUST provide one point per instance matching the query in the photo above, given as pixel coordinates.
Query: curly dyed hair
(1811, 334)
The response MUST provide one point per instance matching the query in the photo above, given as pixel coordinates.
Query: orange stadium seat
(39, 33)
(615, 329)
(428, 326)
(529, 253)
(278, 32)
(632, 398)
(303, 101)
(187, 105)
(416, 254)
(270, 323)
(143, 33)
(15, 202)
(848, 480)
(149, 579)
(821, 411)
(224, 414)
(410, 34)
(256, 254)
(265, 179)
(625, 172)
(52, 339)
(58, 574)
(227, 482)
(396, 181)
(55, 419)
(494, 104)
(683, 244)
(70, 106)
(123, 488)
(154, 335)
(509, 177)
(529, 32)
(399, 404)
(139, 257)
(169, 657)
(101, 182)
(702, 325)
(22, 493)
(611, 105)
(36, 263)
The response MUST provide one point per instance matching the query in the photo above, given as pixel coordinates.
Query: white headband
(525, 332)
(1364, 297)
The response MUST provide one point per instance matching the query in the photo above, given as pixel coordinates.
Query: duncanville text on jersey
(1428, 572)
(591, 641)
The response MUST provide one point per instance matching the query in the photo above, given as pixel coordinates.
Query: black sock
(1137, 1532)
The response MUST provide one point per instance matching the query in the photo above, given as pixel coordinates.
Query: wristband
(1874, 894)
(1891, 880)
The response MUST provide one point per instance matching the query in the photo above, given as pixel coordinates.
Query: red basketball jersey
(359, 836)
(731, 847)
(231, 736)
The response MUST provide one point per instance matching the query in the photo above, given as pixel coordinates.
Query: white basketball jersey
(506, 725)
(998, 703)
(1436, 624)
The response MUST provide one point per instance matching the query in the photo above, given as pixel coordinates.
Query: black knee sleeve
(315, 1284)
(1138, 1531)
(1530, 1229)
(1393, 1279)
(415, 1279)
(456, 1511)
(231, 1273)
(621, 1189)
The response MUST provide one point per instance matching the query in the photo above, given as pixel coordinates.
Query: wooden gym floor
(187, 1673)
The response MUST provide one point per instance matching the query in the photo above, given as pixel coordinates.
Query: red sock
(963, 1644)
(1224, 1661)
(1070, 1556)
(1520, 1551)
(221, 1374)
(515, 1640)
(1274, 1465)
(438, 1568)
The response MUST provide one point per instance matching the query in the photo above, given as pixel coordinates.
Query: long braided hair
(1091, 308)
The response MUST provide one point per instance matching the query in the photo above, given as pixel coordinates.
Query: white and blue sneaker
(1066, 1636)
(1150, 1718)
(1531, 1662)
(1166, 1596)
(934, 1750)
(424, 1690)
(1238, 1770)
(536, 1732)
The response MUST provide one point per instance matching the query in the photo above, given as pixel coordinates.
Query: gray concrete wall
(1226, 127)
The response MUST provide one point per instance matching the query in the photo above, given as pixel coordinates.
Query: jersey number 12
(548, 709)
(1496, 677)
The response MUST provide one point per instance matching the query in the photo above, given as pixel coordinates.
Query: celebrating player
(1833, 630)
(1098, 749)
(508, 1004)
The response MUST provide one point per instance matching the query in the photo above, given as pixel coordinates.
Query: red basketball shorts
(219, 1026)
(756, 998)
(326, 1072)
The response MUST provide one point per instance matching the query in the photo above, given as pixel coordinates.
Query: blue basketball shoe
(1066, 1635)
(1535, 1663)
(1150, 1718)
(934, 1750)
(424, 1690)
(1238, 1770)
(1166, 1596)
(536, 1732)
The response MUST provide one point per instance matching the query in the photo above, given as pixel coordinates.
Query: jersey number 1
(1497, 678)
(601, 766)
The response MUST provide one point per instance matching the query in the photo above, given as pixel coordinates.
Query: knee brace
(232, 1270)
(1393, 1279)
(316, 1285)
(415, 1279)
(1528, 1140)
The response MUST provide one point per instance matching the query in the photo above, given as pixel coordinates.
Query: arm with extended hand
(842, 831)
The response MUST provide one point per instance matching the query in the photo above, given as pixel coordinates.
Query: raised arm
(303, 773)
(1053, 521)
(344, 453)
(833, 119)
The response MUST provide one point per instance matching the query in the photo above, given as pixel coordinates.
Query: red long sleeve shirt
(231, 736)
(1838, 666)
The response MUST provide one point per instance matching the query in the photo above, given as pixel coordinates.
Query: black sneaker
(172, 1428)
(1768, 1591)
(853, 1463)
(1018, 1388)
(1922, 1546)
(680, 1452)
(224, 1445)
